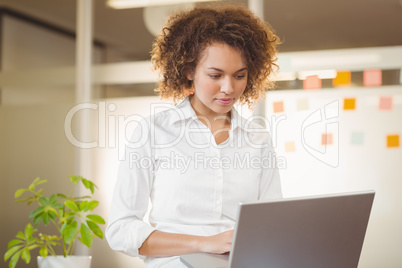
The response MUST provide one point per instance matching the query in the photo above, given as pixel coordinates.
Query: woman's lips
(225, 101)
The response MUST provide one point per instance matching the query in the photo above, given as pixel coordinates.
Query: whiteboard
(358, 157)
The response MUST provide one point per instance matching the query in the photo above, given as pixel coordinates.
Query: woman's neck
(211, 119)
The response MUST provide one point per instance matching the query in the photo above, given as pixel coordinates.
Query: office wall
(358, 158)
(33, 144)
(32, 139)
(25, 46)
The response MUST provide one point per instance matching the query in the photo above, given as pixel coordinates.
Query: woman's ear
(189, 74)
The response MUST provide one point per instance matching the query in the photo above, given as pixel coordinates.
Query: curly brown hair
(187, 33)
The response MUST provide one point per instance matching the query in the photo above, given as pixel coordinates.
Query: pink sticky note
(278, 107)
(372, 77)
(312, 82)
(385, 103)
(326, 139)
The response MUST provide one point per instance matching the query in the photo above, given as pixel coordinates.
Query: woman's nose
(227, 87)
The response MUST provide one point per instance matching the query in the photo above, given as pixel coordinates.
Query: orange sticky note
(349, 104)
(290, 147)
(372, 77)
(342, 79)
(278, 106)
(326, 139)
(392, 141)
(385, 103)
(312, 82)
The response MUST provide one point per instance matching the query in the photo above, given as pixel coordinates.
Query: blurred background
(70, 83)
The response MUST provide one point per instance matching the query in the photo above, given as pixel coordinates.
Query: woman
(205, 157)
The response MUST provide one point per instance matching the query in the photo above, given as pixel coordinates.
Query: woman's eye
(240, 76)
(214, 76)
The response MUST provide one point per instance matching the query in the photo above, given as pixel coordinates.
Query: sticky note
(393, 141)
(385, 103)
(278, 107)
(357, 138)
(312, 82)
(372, 77)
(326, 139)
(290, 147)
(302, 104)
(342, 79)
(349, 104)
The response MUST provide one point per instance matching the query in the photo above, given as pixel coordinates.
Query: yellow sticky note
(278, 107)
(392, 141)
(342, 79)
(326, 139)
(349, 104)
(290, 147)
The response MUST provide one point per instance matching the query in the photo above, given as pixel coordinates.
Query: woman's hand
(217, 244)
(161, 244)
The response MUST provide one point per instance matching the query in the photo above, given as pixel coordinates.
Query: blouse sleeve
(126, 230)
(270, 184)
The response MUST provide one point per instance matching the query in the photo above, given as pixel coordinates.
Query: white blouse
(194, 184)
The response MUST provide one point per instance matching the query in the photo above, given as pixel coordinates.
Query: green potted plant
(71, 216)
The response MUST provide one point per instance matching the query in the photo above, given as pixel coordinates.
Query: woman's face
(219, 79)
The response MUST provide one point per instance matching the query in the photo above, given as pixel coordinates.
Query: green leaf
(14, 242)
(30, 199)
(86, 237)
(53, 198)
(74, 179)
(96, 218)
(70, 204)
(89, 185)
(83, 206)
(11, 251)
(86, 183)
(70, 231)
(83, 197)
(95, 229)
(45, 218)
(43, 200)
(19, 192)
(20, 235)
(52, 215)
(31, 247)
(32, 185)
(29, 230)
(43, 251)
(14, 260)
(40, 192)
(36, 212)
(62, 196)
(63, 228)
(37, 219)
(92, 205)
(40, 182)
(26, 256)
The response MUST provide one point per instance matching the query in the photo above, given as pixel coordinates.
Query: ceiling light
(121, 4)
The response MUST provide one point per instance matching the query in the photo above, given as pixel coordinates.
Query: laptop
(305, 232)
